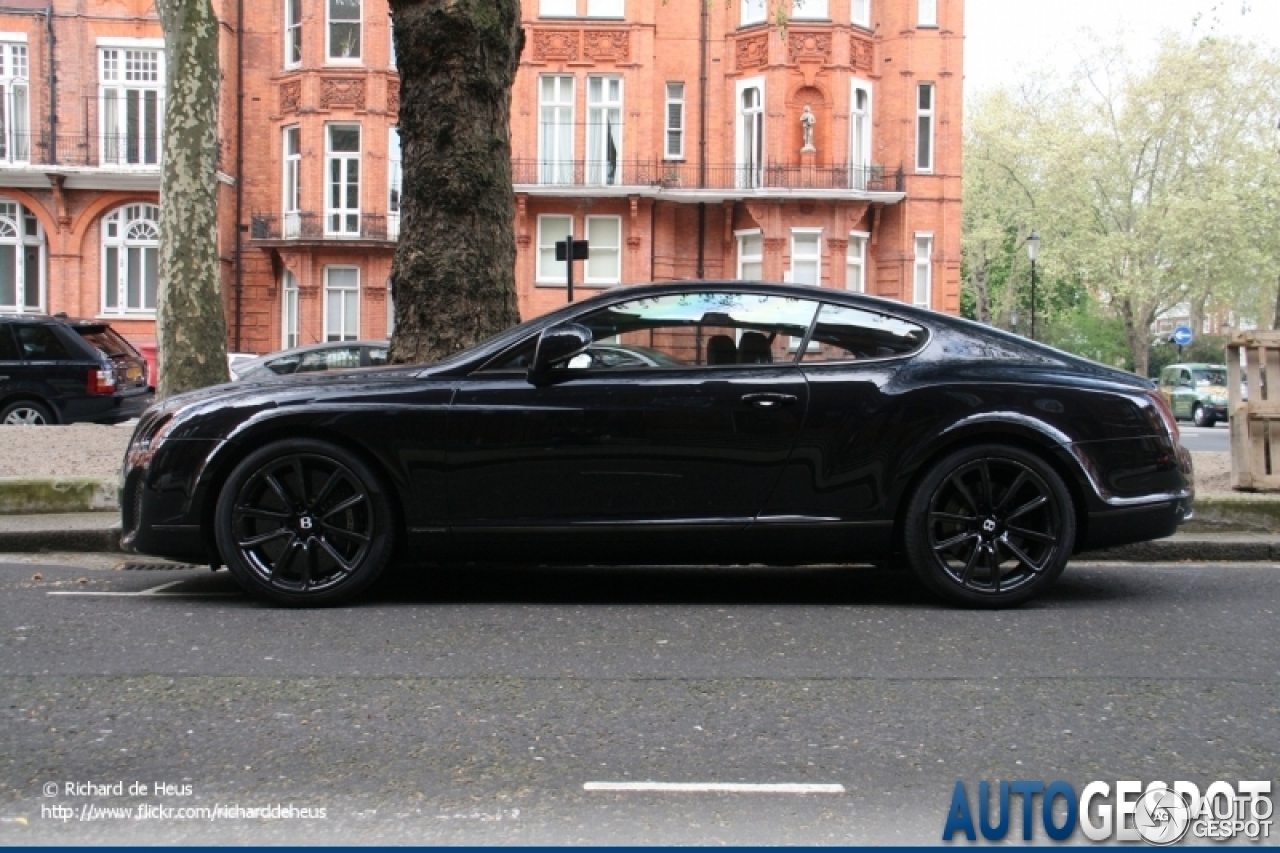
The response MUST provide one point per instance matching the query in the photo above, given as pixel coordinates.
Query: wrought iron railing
(683, 175)
(335, 225)
(114, 151)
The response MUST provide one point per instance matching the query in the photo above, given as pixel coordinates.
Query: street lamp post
(1033, 250)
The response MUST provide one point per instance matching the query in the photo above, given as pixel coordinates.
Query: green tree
(1153, 189)
(190, 322)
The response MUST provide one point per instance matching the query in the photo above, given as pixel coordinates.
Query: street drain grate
(156, 567)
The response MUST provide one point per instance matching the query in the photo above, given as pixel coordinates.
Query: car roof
(60, 319)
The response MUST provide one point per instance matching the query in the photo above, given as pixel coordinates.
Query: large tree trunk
(453, 278)
(190, 323)
(981, 298)
(1137, 331)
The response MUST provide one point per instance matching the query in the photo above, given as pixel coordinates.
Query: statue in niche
(807, 121)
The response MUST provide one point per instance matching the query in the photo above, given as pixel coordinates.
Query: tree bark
(190, 322)
(453, 277)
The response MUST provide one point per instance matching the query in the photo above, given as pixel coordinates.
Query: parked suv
(54, 370)
(1196, 391)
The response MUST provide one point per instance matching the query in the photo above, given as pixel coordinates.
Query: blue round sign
(1182, 335)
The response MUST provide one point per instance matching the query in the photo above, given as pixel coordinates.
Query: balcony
(87, 161)
(682, 181)
(325, 228)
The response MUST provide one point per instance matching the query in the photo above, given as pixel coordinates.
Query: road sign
(1182, 335)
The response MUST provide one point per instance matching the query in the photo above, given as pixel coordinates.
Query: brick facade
(613, 131)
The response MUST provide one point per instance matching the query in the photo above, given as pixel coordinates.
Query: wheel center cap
(306, 522)
(989, 526)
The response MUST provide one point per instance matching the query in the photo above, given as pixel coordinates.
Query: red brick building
(682, 139)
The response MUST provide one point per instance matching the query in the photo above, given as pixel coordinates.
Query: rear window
(106, 340)
(843, 333)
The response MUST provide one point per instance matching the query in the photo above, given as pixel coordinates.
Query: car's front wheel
(304, 523)
(26, 413)
(1201, 418)
(990, 526)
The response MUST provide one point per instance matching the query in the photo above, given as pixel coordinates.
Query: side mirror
(557, 344)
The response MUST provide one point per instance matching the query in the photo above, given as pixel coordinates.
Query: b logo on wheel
(305, 522)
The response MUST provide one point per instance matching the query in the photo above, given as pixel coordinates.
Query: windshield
(1210, 377)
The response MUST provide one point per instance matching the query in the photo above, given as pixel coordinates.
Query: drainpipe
(239, 250)
(53, 86)
(704, 45)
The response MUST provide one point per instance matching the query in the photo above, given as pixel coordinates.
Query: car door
(10, 361)
(1184, 394)
(619, 454)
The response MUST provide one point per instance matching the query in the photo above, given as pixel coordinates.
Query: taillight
(1166, 415)
(102, 381)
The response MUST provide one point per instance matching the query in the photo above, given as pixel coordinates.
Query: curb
(29, 496)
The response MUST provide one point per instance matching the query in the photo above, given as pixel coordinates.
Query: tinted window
(843, 333)
(378, 356)
(8, 348)
(40, 343)
(689, 329)
(106, 341)
(330, 359)
(284, 365)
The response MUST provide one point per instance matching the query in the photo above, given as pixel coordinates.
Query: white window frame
(750, 137)
(605, 123)
(291, 181)
(927, 14)
(391, 40)
(744, 258)
(855, 278)
(395, 182)
(131, 68)
(290, 316)
(606, 8)
(926, 127)
(332, 58)
(16, 226)
(674, 131)
(922, 269)
(815, 258)
(347, 304)
(293, 33)
(860, 13)
(861, 127)
(15, 96)
(550, 271)
(598, 252)
(752, 12)
(556, 129)
(557, 8)
(342, 221)
(809, 10)
(130, 227)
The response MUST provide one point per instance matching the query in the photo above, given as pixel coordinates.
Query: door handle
(768, 400)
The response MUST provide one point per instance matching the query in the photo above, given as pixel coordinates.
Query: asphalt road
(475, 707)
(1215, 439)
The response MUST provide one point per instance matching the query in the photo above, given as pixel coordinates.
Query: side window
(284, 366)
(8, 349)
(844, 334)
(693, 329)
(40, 343)
(378, 356)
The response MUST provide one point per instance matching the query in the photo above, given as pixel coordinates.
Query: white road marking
(155, 590)
(717, 787)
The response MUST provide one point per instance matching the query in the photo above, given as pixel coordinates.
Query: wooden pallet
(1255, 423)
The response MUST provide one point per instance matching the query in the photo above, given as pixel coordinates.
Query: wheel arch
(1033, 437)
(233, 452)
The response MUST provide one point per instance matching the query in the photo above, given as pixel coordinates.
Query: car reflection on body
(782, 425)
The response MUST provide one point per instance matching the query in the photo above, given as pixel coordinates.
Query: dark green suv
(1197, 392)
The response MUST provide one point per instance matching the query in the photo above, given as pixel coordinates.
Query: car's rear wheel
(304, 523)
(1201, 418)
(990, 526)
(26, 413)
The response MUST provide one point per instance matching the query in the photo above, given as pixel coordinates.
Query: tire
(304, 523)
(1200, 418)
(990, 526)
(26, 413)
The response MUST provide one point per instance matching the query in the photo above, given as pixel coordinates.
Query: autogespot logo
(1156, 813)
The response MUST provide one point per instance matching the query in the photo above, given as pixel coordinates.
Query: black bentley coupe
(691, 422)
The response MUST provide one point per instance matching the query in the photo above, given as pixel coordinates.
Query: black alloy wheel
(26, 413)
(304, 523)
(990, 526)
